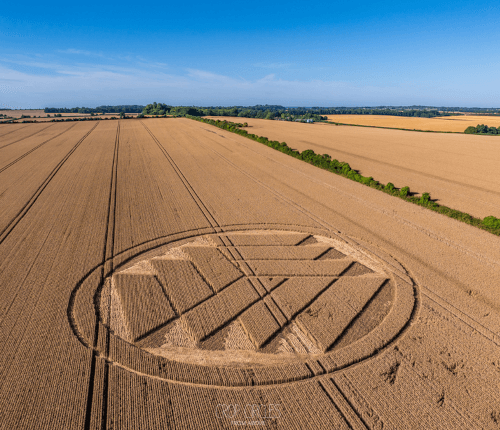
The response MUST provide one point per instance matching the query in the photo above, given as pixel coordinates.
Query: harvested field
(163, 273)
(459, 171)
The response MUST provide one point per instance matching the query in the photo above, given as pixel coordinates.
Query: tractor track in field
(26, 137)
(106, 266)
(24, 210)
(210, 218)
(34, 149)
(12, 131)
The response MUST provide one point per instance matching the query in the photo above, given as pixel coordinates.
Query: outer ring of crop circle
(142, 362)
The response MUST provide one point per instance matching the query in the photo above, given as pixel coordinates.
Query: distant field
(451, 123)
(461, 171)
(18, 113)
(40, 113)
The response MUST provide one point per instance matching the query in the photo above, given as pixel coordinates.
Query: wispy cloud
(143, 82)
(273, 65)
(32, 63)
(204, 76)
(80, 52)
(266, 79)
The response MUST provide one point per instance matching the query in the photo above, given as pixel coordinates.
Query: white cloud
(92, 85)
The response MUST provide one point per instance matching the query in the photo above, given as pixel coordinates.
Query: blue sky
(233, 53)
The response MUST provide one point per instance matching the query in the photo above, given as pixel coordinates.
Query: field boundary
(490, 224)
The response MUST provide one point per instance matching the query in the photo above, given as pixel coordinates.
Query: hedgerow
(326, 162)
(482, 129)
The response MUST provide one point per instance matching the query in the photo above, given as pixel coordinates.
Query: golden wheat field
(164, 273)
(41, 116)
(450, 123)
(459, 171)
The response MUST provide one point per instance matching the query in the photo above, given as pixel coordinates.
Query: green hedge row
(482, 129)
(326, 162)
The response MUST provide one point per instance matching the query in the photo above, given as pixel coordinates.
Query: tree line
(288, 113)
(161, 109)
(277, 111)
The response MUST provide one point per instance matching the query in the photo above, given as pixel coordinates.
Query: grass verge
(325, 161)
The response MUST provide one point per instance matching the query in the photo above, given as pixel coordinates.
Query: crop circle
(247, 307)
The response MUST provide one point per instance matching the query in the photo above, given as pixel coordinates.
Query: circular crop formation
(253, 307)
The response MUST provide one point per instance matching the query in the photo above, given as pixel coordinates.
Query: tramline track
(13, 131)
(210, 218)
(24, 210)
(34, 149)
(26, 137)
(107, 266)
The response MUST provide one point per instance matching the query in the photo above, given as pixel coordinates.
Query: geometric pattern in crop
(256, 300)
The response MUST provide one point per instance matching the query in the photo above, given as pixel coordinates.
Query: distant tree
(482, 128)
(470, 130)
(156, 109)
